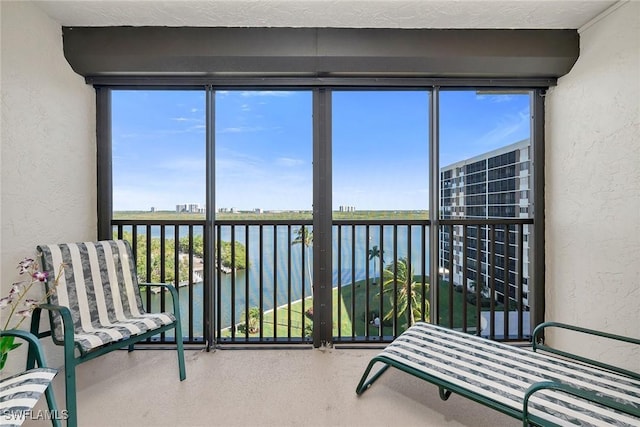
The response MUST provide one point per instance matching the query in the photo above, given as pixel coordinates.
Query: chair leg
(53, 408)
(70, 389)
(364, 385)
(131, 348)
(70, 395)
(180, 349)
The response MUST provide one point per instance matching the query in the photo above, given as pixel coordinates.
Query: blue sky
(264, 145)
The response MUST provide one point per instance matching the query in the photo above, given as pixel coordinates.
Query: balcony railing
(262, 289)
(263, 281)
(380, 278)
(487, 261)
(181, 264)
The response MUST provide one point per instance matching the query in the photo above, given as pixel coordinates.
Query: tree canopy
(155, 265)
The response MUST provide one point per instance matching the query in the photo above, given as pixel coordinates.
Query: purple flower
(30, 303)
(15, 289)
(5, 301)
(40, 275)
(24, 313)
(25, 264)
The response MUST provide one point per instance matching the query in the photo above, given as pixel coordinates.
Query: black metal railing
(263, 281)
(381, 278)
(177, 256)
(487, 262)
(263, 284)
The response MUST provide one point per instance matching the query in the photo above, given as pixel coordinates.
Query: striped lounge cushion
(100, 287)
(503, 373)
(20, 393)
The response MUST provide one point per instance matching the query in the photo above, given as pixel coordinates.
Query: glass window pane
(159, 172)
(484, 154)
(263, 168)
(485, 174)
(380, 164)
(158, 142)
(264, 151)
(381, 152)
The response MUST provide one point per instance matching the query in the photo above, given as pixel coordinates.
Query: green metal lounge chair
(19, 393)
(96, 307)
(536, 387)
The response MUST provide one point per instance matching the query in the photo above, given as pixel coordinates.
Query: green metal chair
(19, 393)
(96, 307)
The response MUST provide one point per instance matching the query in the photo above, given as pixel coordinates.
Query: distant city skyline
(264, 146)
(200, 208)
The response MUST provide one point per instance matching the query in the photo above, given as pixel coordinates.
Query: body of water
(276, 275)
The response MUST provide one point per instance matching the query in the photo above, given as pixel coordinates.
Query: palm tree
(374, 253)
(253, 326)
(397, 276)
(304, 237)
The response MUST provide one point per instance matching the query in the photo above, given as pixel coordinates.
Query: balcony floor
(287, 387)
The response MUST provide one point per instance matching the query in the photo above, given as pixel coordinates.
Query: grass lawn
(350, 319)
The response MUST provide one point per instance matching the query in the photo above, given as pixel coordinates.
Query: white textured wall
(48, 171)
(593, 188)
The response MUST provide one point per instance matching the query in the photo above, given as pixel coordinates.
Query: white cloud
(278, 93)
(241, 129)
(495, 99)
(155, 133)
(509, 128)
(289, 162)
(233, 164)
(185, 165)
(185, 119)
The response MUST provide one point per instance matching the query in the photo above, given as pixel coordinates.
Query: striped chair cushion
(100, 287)
(20, 393)
(503, 373)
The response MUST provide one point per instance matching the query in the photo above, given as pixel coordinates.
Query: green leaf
(3, 360)
(7, 344)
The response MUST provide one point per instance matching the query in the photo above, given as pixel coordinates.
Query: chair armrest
(565, 388)
(35, 347)
(67, 322)
(537, 332)
(172, 289)
(161, 285)
(538, 344)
